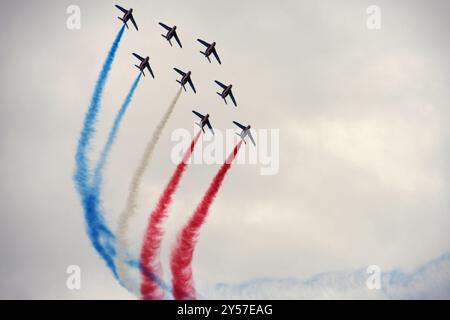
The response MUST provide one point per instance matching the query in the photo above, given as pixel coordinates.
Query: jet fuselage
(245, 131)
(144, 63)
(171, 32)
(127, 15)
(227, 91)
(205, 120)
(185, 79)
(210, 49)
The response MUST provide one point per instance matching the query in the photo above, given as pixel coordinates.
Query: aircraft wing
(232, 98)
(150, 70)
(206, 44)
(121, 9)
(192, 85)
(134, 22)
(251, 137)
(179, 71)
(221, 84)
(178, 39)
(198, 114)
(138, 56)
(210, 127)
(165, 26)
(217, 56)
(239, 125)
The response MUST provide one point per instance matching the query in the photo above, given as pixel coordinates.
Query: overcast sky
(364, 138)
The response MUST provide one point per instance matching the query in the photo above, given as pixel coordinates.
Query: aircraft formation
(186, 77)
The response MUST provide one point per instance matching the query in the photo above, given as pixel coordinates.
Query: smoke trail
(131, 204)
(183, 251)
(100, 235)
(98, 173)
(82, 167)
(153, 236)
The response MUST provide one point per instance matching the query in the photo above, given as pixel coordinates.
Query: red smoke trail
(150, 289)
(183, 251)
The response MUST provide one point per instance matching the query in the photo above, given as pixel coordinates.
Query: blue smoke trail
(98, 174)
(101, 237)
(82, 167)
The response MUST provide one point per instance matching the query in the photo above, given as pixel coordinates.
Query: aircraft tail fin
(181, 85)
(199, 124)
(123, 21)
(165, 37)
(207, 57)
(220, 95)
(142, 71)
(240, 136)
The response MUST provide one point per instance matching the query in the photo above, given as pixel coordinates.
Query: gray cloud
(429, 281)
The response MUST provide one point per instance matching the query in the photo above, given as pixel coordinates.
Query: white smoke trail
(131, 204)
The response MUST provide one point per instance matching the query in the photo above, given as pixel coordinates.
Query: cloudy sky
(364, 143)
